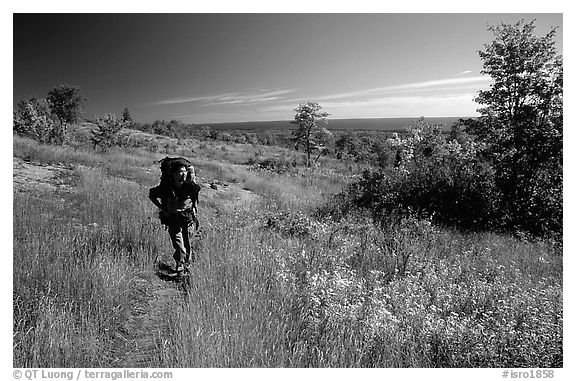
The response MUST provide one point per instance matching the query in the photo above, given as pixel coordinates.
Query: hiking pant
(180, 237)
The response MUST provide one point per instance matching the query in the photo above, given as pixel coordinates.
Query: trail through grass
(273, 285)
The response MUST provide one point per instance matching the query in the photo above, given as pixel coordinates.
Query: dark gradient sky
(247, 67)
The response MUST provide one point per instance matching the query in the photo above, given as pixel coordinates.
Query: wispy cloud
(442, 97)
(399, 105)
(393, 101)
(464, 72)
(441, 84)
(258, 95)
(405, 106)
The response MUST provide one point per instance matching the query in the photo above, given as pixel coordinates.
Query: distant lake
(367, 124)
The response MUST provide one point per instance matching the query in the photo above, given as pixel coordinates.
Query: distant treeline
(359, 140)
(363, 124)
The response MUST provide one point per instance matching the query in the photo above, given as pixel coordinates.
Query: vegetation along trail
(275, 283)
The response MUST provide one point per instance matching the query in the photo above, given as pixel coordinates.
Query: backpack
(167, 166)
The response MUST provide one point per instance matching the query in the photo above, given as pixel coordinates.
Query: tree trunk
(318, 157)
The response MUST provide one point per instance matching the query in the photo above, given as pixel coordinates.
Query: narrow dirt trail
(146, 329)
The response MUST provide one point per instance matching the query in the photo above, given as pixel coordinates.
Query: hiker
(177, 199)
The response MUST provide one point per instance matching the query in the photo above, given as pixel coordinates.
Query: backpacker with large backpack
(167, 167)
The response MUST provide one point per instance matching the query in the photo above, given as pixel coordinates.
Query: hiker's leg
(177, 239)
(195, 224)
(186, 239)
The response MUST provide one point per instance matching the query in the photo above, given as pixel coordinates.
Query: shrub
(456, 181)
(34, 119)
(107, 134)
(445, 180)
(274, 164)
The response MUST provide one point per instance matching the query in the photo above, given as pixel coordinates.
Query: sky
(235, 67)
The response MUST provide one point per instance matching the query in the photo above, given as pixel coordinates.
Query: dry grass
(273, 287)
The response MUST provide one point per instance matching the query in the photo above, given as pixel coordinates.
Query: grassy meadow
(275, 285)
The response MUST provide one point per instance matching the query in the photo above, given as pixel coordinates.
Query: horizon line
(89, 119)
(358, 118)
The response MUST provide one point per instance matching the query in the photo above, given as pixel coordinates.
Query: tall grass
(273, 286)
(391, 299)
(74, 262)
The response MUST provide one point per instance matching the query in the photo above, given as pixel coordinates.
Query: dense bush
(107, 134)
(33, 118)
(433, 177)
(451, 180)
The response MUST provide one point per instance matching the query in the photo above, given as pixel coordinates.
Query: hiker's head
(179, 174)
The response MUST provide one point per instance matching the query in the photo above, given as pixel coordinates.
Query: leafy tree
(126, 118)
(66, 103)
(310, 133)
(521, 122)
(108, 132)
(33, 118)
(526, 71)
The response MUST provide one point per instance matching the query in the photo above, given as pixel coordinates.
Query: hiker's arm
(154, 198)
(156, 202)
(194, 197)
